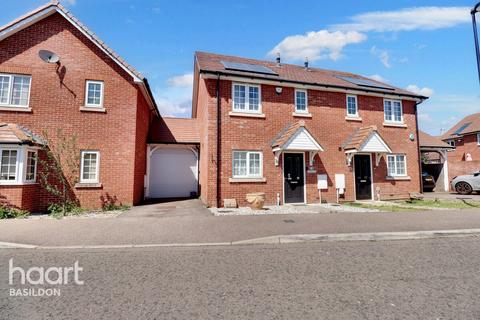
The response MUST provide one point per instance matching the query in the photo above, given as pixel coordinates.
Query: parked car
(428, 182)
(467, 184)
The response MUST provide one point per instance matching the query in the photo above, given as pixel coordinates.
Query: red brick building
(465, 137)
(285, 130)
(90, 93)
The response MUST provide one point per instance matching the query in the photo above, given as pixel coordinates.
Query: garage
(172, 172)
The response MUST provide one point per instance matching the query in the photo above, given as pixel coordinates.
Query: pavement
(188, 222)
(424, 279)
(451, 196)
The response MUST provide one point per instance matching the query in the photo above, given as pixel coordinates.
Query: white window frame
(93, 105)
(392, 101)
(17, 165)
(248, 174)
(395, 174)
(306, 101)
(26, 166)
(21, 164)
(9, 103)
(97, 169)
(247, 98)
(478, 139)
(352, 115)
(451, 142)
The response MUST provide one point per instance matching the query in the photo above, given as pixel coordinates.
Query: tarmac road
(421, 279)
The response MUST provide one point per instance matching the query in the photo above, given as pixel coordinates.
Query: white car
(467, 184)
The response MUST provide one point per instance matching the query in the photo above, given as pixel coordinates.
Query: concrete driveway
(451, 196)
(163, 209)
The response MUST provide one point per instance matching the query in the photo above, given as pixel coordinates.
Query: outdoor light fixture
(475, 35)
(278, 90)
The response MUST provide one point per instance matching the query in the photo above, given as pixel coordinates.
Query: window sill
(83, 185)
(246, 180)
(17, 184)
(400, 178)
(245, 114)
(394, 124)
(352, 118)
(15, 109)
(92, 109)
(302, 114)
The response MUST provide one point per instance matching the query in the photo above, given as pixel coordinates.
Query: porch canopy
(296, 137)
(366, 140)
(11, 133)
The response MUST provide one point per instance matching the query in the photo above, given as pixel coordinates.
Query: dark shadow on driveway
(162, 208)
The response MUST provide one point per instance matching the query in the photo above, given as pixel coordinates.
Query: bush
(110, 203)
(8, 212)
(56, 209)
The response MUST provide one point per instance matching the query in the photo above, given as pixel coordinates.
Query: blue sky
(426, 46)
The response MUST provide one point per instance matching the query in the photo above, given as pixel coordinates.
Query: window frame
(396, 174)
(17, 165)
(35, 152)
(478, 138)
(392, 101)
(351, 115)
(102, 90)
(11, 80)
(247, 98)
(82, 166)
(248, 175)
(306, 100)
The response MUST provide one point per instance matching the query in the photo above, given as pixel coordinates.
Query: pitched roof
(287, 132)
(286, 137)
(54, 6)
(427, 140)
(175, 130)
(361, 135)
(212, 63)
(11, 133)
(468, 125)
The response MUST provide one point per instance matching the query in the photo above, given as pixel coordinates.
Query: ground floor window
(89, 167)
(8, 166)
(18, 164)
(247, 164)
(396, 165)
(31, 168)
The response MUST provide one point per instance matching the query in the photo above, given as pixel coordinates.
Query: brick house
(90, 92)
(284, 130)
(465, 138)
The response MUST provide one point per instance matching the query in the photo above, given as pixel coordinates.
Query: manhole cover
(289, 221)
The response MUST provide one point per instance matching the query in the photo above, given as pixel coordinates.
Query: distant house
(465, 137)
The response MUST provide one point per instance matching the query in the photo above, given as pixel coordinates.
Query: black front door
(293, 176)
(363, 177)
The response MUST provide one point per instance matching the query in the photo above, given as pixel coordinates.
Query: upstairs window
(396, 165)
(301, 101)
(94, 94)
(14, 90)
(451, 142)
(393, 111)
(246, 98)
(478, 138)
(352, 109)
(89, 167)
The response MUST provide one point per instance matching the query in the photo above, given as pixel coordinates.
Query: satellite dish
(48, 56)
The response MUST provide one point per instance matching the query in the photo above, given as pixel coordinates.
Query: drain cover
(289, 221)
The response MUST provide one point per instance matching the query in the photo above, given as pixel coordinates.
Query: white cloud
(70, 2)
(383, 55)
(377, 77)
(424, 117)
(427, 92)
(317, 45)
(184, 80)
(408, 19)
(170, 107)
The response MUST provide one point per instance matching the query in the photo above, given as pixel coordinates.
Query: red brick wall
(23, 197)
(55, 105)
(327, 125)
(458, 168)
(464, 145)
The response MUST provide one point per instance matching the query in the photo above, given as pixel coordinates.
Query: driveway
(451, 196)
(179, 208)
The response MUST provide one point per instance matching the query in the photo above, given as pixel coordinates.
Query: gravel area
(83, 215)
(288, 209)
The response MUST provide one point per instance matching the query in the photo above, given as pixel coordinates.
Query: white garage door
(173, 173)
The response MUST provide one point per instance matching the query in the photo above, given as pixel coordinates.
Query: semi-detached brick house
(284, 129)
(90, 93)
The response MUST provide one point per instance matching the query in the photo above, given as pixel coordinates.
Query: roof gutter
(326, 86)
(147, 92)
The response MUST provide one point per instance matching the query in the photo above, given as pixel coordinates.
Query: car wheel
(463, 188)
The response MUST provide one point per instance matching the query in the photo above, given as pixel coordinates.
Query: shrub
(8, 212)
(111, 203)
(60, 210)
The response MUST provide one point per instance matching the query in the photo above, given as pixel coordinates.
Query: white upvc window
(396, 165)
(14, 90)
(18, 164)
(478, 138)
(247, 164)
(89, 167)
(301, 101)
(393, 111)
(352, 106)
(246, 98)
(94, 94)
(451, 142)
